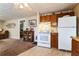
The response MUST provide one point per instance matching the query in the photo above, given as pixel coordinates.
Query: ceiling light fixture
(26, 5)
(23, 6)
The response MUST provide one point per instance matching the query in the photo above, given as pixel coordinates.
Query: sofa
(4, 34)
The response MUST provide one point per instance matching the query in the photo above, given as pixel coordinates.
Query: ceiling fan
(23, 6)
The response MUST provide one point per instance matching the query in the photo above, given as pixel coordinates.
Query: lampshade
(0, 29)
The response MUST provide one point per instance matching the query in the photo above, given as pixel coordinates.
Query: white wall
(1, 24)
(14, 32)
(76, 10)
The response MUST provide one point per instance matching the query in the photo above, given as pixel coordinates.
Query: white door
(64, 38)
(67, 21)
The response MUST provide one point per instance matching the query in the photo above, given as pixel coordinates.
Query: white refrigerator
(66, 30)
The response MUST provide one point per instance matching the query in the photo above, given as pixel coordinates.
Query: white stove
(44, 35)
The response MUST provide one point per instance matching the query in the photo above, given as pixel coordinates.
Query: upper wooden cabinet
(42, 18)
(63, 14)
(48, 18)
(45, 18)
(53, 18)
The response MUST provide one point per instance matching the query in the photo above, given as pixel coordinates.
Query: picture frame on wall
(11, 25)
(33, 23)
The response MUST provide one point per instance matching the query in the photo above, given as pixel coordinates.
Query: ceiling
(9, 10)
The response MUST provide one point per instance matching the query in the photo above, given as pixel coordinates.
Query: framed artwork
(33, 23)
(11, 25)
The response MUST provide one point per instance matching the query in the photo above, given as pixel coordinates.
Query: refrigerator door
(69, 21)
(64, 38)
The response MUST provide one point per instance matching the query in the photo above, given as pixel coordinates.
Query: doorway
(21, 28)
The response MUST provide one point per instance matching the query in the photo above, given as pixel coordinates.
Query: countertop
(75, 38)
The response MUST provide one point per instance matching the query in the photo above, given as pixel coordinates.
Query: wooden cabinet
(54, 40)
(42, 18)
(75, 48)
(29, 36)
(45, 18)
(63, 14)
(53, 18)
(48, 18)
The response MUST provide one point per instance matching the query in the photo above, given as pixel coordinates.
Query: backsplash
(54, 29)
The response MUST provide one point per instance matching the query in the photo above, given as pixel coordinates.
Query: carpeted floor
(17, 47)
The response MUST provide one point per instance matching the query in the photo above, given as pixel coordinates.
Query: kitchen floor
(41, 51)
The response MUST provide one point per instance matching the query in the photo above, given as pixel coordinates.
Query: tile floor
(41, 51)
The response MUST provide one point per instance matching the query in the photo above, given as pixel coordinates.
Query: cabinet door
(75, 48)
(54, 40)
(48, 18)
(42, 18)
(45, 18)
(53, 18)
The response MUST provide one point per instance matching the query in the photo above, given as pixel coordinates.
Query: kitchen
(50, 31)
(51, 35)
(54, 24)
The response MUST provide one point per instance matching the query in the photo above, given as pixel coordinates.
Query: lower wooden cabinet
(54, 40)
(75, 48)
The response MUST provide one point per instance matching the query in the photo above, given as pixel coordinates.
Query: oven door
(44, 39)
